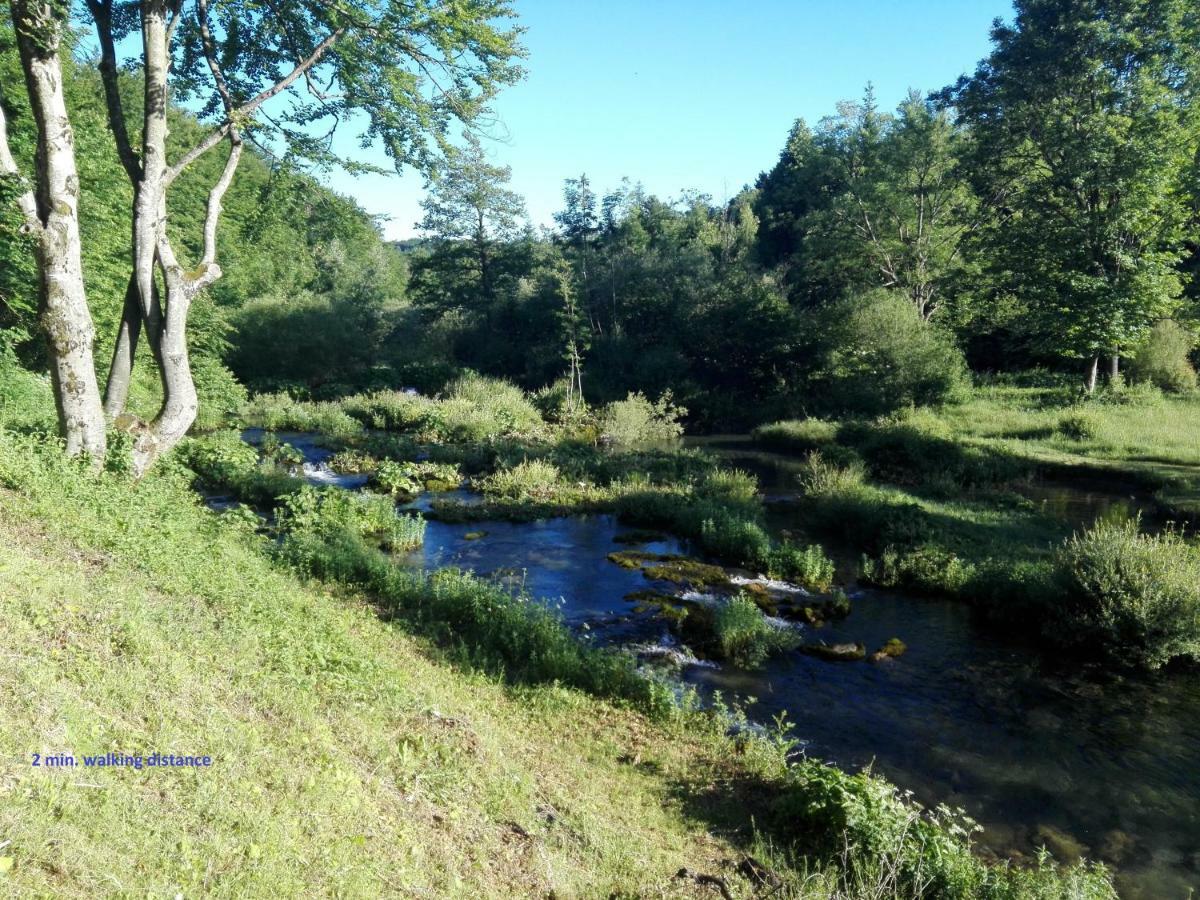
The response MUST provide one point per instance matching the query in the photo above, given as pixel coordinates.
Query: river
(1077, 758)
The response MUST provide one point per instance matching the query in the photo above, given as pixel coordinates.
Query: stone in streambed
(836, 652)
(890, 650)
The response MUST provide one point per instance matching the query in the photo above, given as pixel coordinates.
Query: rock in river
(836, 652)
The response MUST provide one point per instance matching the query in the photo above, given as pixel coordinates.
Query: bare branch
(209, 270)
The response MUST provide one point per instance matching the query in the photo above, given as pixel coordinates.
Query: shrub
(476, 407)
(635, 420)
(925, 569)
(398, 479)
(390, 410)
(878, 355)
(744, 636)
(735, 540)
(1163, 358)
(552, 401)
(281, 412)
(821, 478)
(808, 566)
(1079, 426)
(225, 462)
(329, 512)
(797, 435)
(407, 479)
(1134, 596)
(731, 486)
(533, 479)
(221, 395)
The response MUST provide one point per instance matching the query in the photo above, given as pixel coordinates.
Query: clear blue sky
(693, 94)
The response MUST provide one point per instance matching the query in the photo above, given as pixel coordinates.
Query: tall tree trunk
(1093, 369)
(53, 216)
(1114, 367)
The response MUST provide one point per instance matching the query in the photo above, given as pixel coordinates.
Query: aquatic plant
(332, 512)
(745, 636)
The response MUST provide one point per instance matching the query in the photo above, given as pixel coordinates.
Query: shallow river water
(1038, 753)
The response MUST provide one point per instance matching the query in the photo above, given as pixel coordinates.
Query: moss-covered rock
(846, 652)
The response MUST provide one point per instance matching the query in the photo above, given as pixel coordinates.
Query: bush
(1163, 358)
(635, 420)
(797, 435)
(1134, 596)
(330, 512)
(533, 479)
(735, 540)
(1079, 426)
(745, 637)
(878, 356)
(885, 845)
(476, 407)
(821, 478)
(925, 569)
(225, 462)
(281, 412)
(808, 566)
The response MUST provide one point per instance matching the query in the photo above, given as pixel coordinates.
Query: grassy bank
(351, 757)
(942, 502)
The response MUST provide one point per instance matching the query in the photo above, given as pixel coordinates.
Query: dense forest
(834, 540)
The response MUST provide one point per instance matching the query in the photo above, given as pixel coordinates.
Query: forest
(835, 539)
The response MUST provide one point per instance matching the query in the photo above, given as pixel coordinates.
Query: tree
(575, 336)
(906, 202)
(406, 70)
(1083, 120)
(50, 210)
(469, 202)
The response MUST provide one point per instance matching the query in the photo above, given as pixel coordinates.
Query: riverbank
(356, 758)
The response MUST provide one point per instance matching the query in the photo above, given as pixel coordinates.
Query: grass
(931, 500)
(368, 739)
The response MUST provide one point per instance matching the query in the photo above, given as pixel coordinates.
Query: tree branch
(101, 11)
(8, 166)
(248, 109)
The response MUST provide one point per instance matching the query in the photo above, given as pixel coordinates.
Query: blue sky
(693, 95)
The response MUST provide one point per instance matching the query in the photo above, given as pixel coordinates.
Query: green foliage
(926, 569)
(807, 566)
(878, 355)
(334, 514)
(26, 402)
(1074, 97)
(636, 420)
(888, 845)
(797, 436)
(922, 451)
(745, 636)
(1079, 426)
(223, 461)
(281, 412)
(528, 480)
(1163, 358)
(1131, 595)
